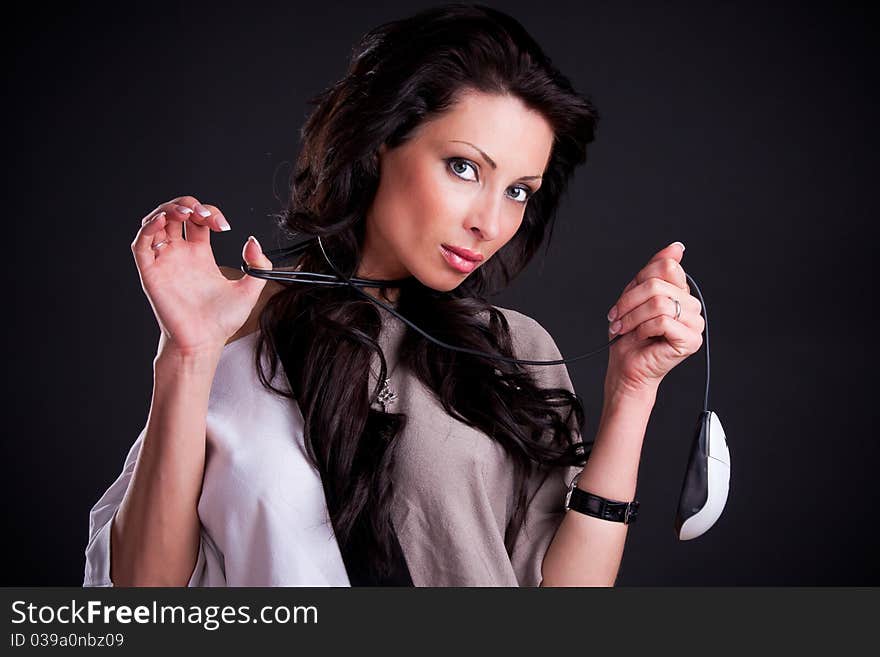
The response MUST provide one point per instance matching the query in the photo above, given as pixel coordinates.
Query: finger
(198, 226)
(183, 201)
(684, 340)
(193, 228)
(657, 306)
(200, 215)
(693, 321)
(252, 254)
(188, 209)
(142, 246)
(652, 287)
(614, 312)
(674, 250)
(669, 269)
(174, 224)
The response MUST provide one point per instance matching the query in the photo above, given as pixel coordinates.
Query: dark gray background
(747, 132)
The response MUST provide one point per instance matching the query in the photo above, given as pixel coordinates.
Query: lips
(461, 260)
(463, 253)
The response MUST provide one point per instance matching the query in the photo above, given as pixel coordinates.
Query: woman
(371, 455)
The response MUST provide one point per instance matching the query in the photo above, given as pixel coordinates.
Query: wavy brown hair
(401, 74)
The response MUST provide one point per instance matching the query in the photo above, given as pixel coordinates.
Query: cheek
(425, 204)
(510, 231)
(517, 222)
(395, 206)
(436, 196)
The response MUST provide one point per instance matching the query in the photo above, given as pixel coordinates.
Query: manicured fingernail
(615, 327)
(680, 244)
(224, 225)
(612, 314)
(153, 218)
(182, 209)
(202, 210)
(254, 240)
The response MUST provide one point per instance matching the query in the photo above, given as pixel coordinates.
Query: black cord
(464, 350)
(357, 283)
(308, 276)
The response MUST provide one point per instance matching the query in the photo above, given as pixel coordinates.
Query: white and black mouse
(706, 481)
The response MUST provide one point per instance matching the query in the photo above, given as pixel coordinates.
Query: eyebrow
(489, 159)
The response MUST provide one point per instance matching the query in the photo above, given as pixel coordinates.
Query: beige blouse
(454, 486)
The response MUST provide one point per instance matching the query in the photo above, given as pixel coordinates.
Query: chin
(440, 281)
(438, 275)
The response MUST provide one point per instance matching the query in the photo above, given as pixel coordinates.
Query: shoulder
(531, 340)
(253, 321)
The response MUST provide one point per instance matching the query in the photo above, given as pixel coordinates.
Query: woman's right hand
(196, 306)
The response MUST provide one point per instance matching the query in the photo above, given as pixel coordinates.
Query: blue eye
(526, 191)
(456, 160)
(453, 161)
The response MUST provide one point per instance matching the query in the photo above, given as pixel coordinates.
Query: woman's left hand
(653, 341)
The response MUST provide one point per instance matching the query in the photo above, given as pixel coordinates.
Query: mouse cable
(356, 283)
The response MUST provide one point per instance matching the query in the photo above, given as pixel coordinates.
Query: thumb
(252, 254)
(674, 251)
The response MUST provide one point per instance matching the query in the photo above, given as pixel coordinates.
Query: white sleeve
(208, 570)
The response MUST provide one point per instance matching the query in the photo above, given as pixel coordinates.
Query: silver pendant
(386, 396)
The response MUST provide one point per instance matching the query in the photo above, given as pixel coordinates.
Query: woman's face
(439, 194)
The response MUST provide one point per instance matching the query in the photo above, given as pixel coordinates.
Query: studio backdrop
(744, 130)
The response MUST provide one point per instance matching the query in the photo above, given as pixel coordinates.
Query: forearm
(155, 534)
(587, 551)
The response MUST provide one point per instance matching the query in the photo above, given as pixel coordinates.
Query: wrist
(619, 394)
(172, 361)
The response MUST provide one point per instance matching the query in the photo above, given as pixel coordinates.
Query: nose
(485, 219)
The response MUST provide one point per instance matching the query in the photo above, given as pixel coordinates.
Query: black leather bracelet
(599, 507)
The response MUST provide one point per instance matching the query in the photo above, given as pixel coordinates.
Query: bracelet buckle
(570, 490)
(606, 509)
(631, 512)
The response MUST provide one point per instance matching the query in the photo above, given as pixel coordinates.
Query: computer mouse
(706, 480)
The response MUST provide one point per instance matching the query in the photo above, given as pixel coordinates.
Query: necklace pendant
(386, 396)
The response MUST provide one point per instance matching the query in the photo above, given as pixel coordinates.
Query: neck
(391, 294)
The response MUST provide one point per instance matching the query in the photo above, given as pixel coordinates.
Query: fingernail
(615, 327)
(680, 244)
(202, 210)
(153, 218)
(182, 209)
(224, 225)
(254, 240)
(612, 314)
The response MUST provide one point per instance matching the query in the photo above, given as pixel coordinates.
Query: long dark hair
(401, 74)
